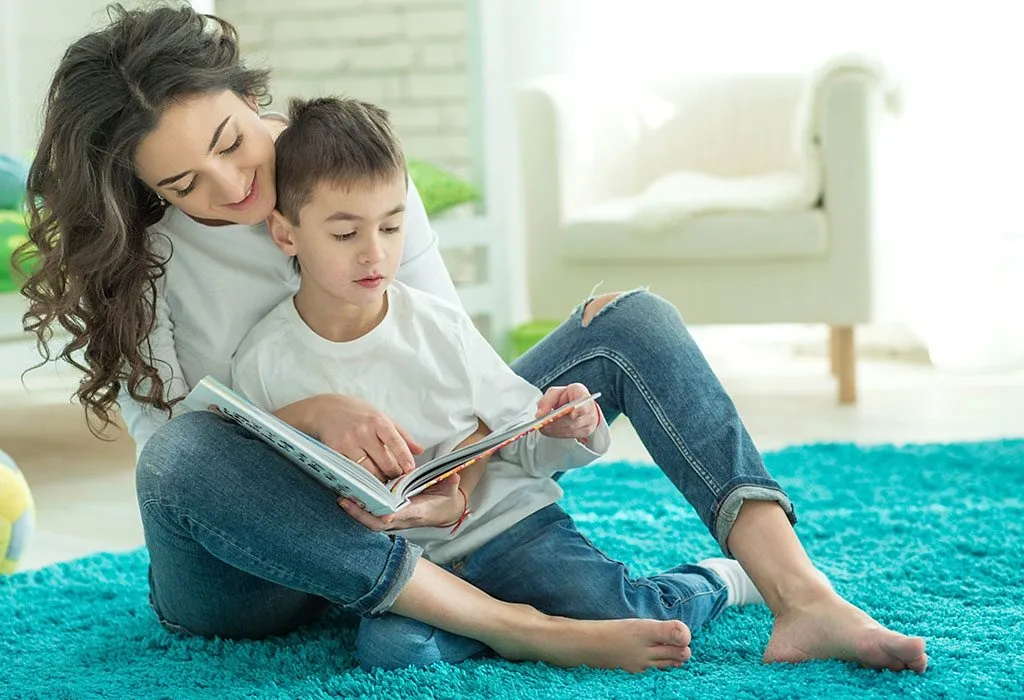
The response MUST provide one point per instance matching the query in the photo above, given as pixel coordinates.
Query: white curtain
(951, 225)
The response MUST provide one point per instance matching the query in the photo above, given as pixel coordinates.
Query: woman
(148, 193)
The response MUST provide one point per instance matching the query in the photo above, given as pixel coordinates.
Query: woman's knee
(179, 452)
(635, 320)
(638, 305)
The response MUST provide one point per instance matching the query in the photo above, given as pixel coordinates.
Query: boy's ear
(283, 233)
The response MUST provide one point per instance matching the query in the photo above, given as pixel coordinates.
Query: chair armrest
(577, 144)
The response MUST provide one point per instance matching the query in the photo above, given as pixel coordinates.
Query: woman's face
(212, 157)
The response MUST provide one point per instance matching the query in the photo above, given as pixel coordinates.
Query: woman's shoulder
(274, 327)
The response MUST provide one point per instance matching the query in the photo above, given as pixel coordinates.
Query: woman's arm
(422, 266)
(144, 420)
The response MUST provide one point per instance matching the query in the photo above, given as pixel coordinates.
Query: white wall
(409, 56)
(32, 47)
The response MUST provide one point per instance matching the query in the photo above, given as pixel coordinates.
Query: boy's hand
(441, 504)
(580, 423)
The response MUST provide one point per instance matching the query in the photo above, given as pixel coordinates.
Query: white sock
(741, 590)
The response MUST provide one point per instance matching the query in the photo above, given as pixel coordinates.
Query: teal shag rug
(927, 538)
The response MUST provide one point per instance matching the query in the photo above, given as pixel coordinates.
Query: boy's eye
(344, 236)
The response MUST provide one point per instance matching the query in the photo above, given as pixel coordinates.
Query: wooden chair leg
(844, 363)
(833, 344)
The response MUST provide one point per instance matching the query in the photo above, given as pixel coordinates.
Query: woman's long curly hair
(90, 264)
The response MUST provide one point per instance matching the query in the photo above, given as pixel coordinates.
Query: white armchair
(741, 199)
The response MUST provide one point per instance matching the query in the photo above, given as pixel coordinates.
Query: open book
(339, 473)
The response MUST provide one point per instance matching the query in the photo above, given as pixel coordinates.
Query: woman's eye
(191, 186)
(392, 229)
(233, 147)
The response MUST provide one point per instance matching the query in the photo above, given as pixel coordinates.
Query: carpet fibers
(927, 538)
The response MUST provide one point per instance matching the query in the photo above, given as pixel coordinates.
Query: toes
(919, 665)
(675, 633)
(906, 649)
(670, 653)
(665, 663)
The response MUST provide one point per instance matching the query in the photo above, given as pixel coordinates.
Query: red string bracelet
(462, 518)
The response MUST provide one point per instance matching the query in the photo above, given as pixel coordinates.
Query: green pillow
(12, 235)
(440, 189)
(13, 177)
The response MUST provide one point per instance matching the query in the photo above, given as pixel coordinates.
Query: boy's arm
(472, 474)
(502, 398)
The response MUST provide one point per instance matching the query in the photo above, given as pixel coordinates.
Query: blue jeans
(244, 545)
(545, 562)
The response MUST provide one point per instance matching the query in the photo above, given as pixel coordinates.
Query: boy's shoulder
(421, 304)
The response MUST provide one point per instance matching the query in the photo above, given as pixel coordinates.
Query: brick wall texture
(408, 56)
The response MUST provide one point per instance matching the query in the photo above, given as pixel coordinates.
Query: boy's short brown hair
(337, 140)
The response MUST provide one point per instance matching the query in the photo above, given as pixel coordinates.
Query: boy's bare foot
(631, 645)
(828, 627)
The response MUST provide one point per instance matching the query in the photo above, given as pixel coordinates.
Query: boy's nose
(373, 253)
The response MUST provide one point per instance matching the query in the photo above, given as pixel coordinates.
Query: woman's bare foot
(828, 627)
(631, 645)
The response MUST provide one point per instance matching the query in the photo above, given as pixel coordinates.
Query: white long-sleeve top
(221, 280)
(428, 368)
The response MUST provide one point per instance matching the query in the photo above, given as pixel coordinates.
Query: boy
(353, 329)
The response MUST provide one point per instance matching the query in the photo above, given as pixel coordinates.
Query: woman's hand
(441, 504)
(357, 430)
(580, 423)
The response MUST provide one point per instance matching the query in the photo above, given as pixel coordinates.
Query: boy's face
(348, 240)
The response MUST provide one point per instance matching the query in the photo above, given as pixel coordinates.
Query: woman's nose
(231, 183)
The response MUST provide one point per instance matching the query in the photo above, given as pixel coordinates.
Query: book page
(428, 474)
(334, 471)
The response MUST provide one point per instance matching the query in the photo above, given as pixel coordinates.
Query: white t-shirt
(221, 280)
(428, 368)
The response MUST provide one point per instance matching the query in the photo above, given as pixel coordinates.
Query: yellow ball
(17, 514)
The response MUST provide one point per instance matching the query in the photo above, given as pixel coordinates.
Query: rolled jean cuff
(750, 489)
(398, 569)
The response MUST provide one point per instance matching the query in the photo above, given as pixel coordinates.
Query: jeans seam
(666, 425)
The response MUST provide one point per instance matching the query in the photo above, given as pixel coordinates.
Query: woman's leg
(635, 350)
(544, 561)
(242, 544)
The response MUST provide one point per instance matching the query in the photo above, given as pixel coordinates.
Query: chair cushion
(608, 233)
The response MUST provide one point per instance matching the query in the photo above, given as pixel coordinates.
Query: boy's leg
(244, 545)
(545, 562)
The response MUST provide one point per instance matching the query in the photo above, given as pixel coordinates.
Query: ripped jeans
(637, 352)
(243, 545)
